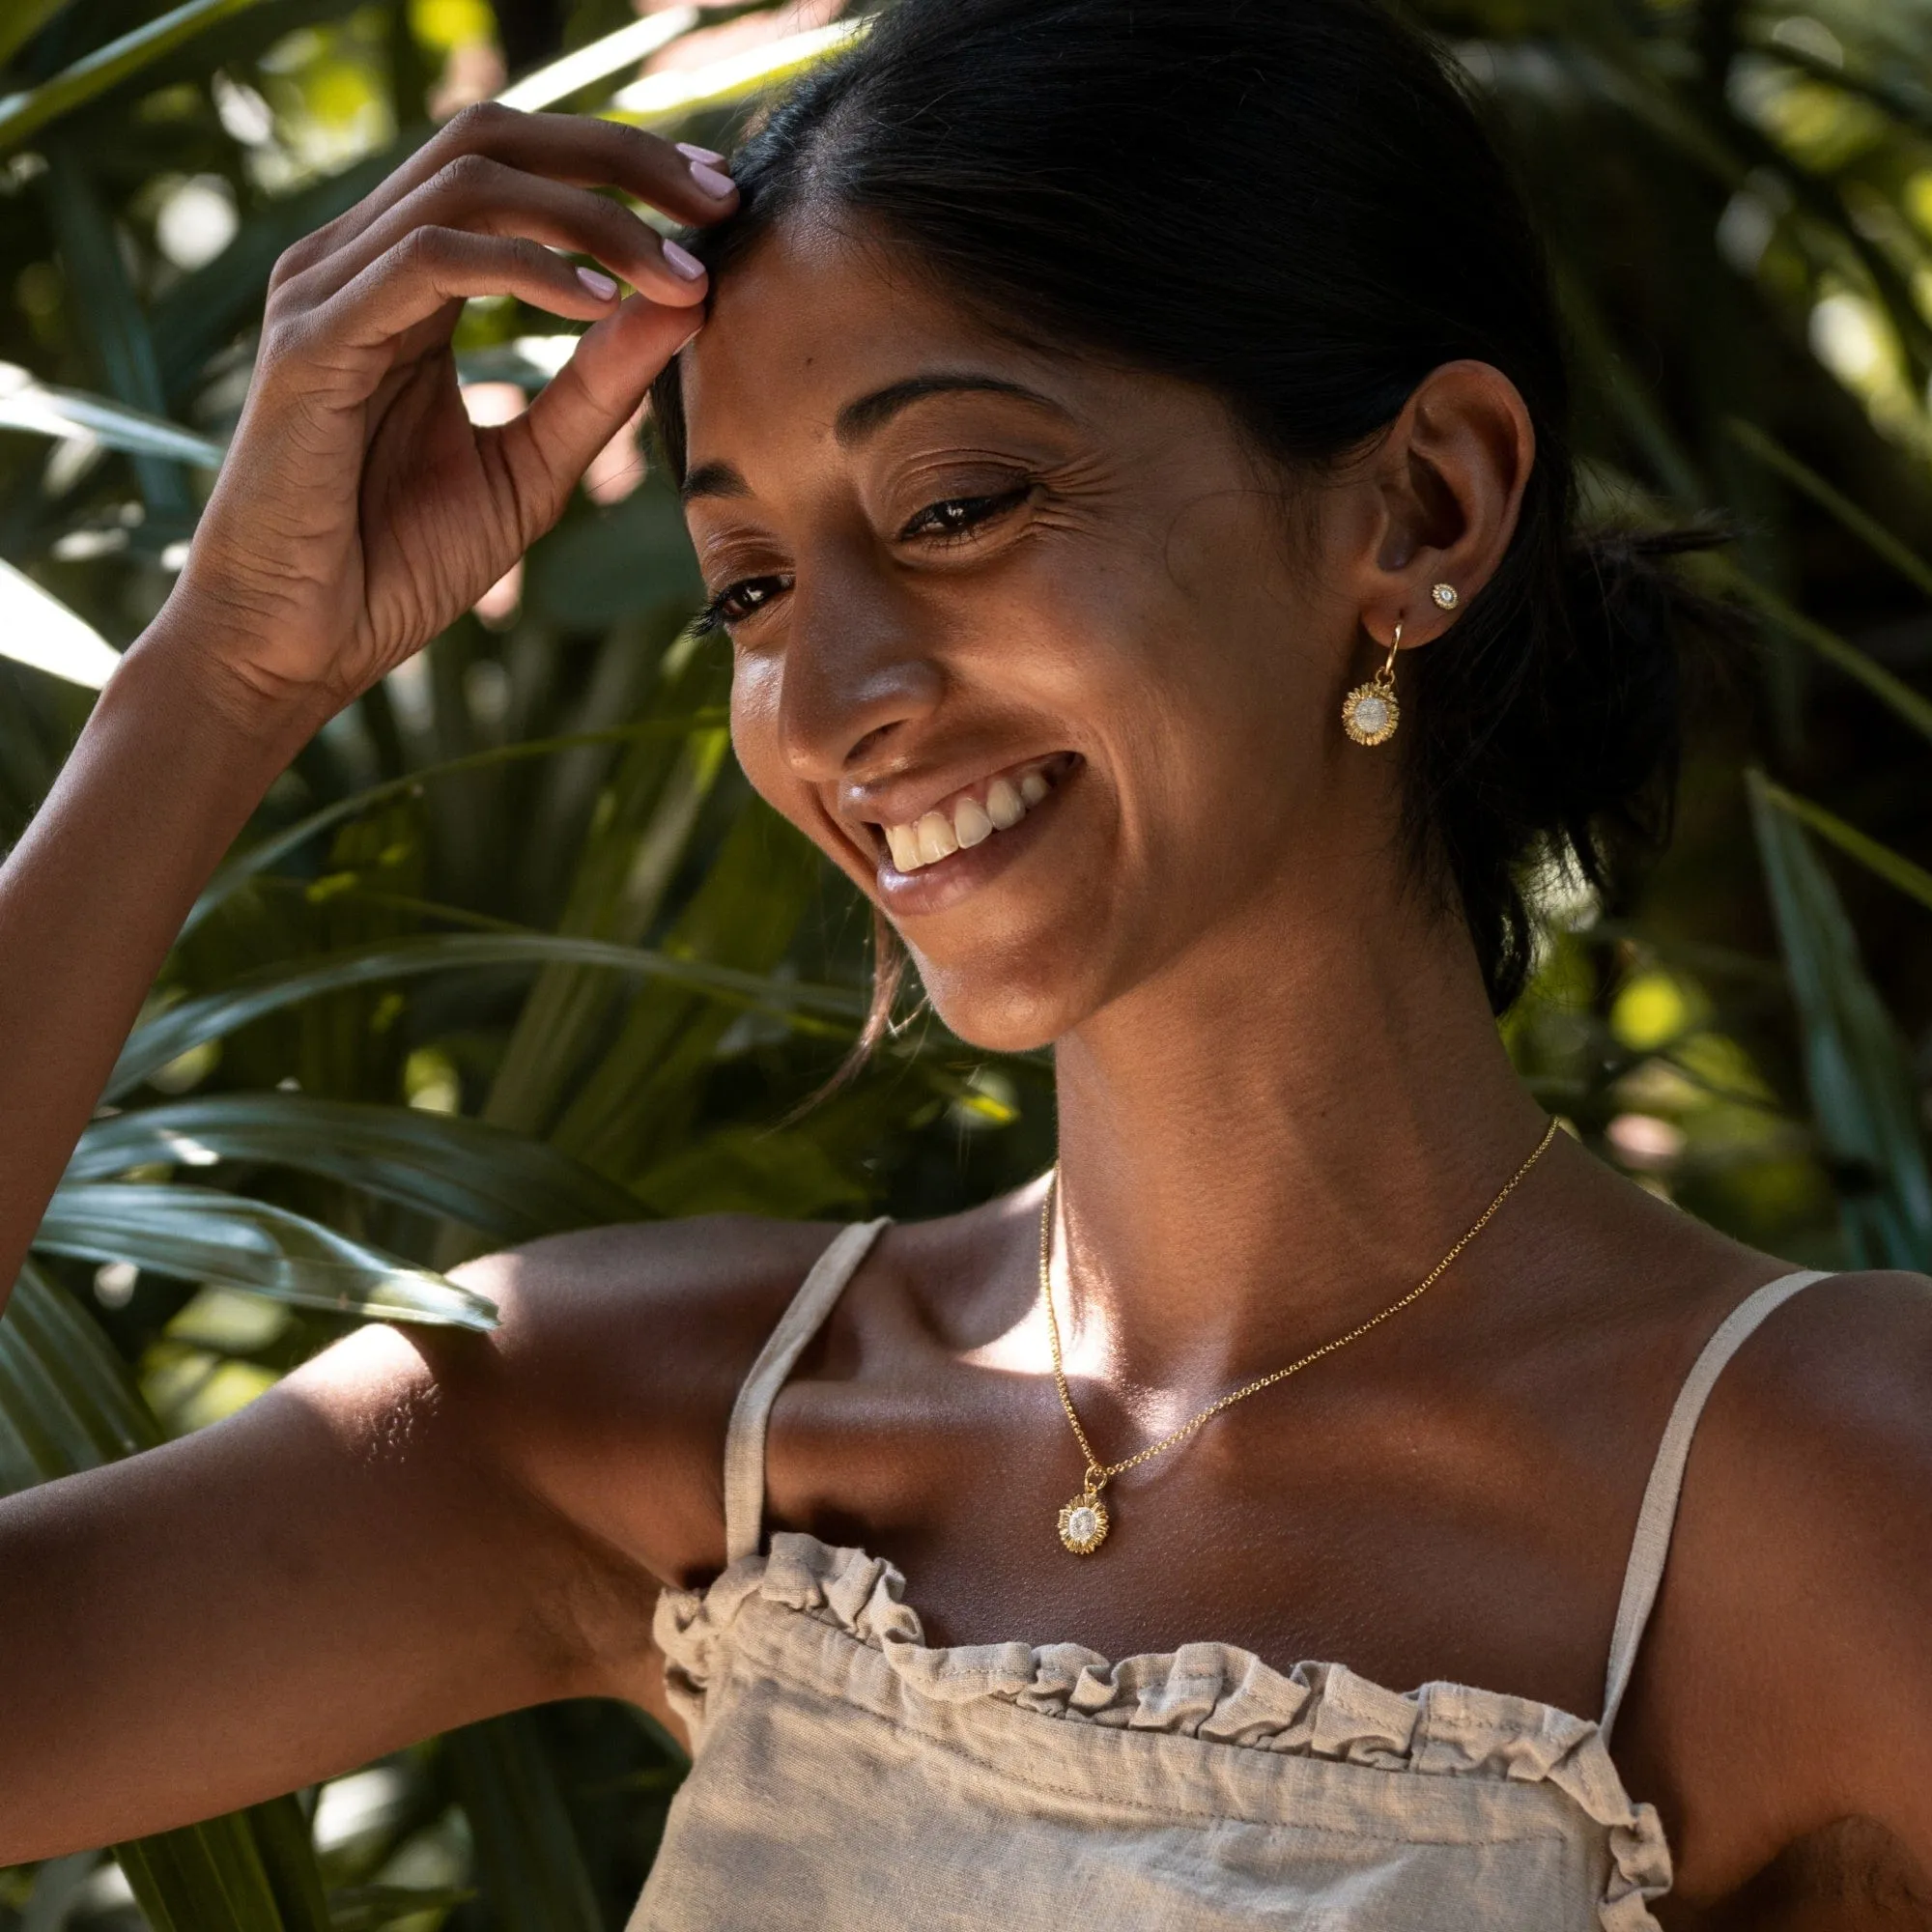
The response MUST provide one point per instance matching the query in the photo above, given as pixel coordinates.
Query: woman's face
(1021, 641)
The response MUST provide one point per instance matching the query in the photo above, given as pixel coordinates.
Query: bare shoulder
(611, 1380)
(1840, 1381)
(1815, 1456)
(1790, 1633)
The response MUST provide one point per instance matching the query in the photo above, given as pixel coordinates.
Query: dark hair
(1292, 203)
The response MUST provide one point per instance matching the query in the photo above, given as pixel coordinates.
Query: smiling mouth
(974, 814)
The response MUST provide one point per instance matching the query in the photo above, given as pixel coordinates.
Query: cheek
(1252, 687)
(1212, 702)
(756, 741)
(755, 689)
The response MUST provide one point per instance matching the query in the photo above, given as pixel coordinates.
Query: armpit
(1854, 1875)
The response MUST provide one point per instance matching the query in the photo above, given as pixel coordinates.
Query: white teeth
(904, 844)
(970, 822)
(937, 837)
(1004, 805)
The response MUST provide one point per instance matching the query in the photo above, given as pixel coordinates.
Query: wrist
(182, 668)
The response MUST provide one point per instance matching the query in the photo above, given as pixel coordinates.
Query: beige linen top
(847, 1774)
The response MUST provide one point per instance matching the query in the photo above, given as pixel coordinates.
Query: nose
(858, 681)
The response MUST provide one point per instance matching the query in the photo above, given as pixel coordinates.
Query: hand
(358, 511)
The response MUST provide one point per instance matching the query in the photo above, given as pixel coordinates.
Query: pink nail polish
(600, 286)
(682, 262)
(692, 152)
(717, 187)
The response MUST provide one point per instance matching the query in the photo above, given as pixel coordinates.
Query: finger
(486, 197)
(408, 352)
(415, 281)
(575, 149)
(548, 448)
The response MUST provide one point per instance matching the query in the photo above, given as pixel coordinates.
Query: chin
(1007, 1011)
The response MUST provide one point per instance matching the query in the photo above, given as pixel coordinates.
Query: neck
(1263, 1145)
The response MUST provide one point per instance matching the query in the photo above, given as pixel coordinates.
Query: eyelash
(717, 615)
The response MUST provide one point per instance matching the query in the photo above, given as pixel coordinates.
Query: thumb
(549, 447)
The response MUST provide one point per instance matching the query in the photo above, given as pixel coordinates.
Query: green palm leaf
(109, 314)
(1893, 867)
(67, 1402)
(238, 871)
(203, 1235)
(663, 100)
(508, 1187)
(527, 1856)
(191, 1023)
(37, 629)
(220, 1876)
(26, 113)
(1856, 1063)
(44, 410)
(1867, 529)
(368, 1908)
(23, 21)
(630, 47)
(1891, 689)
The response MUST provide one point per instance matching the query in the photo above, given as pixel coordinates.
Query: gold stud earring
(1446, 595)
(1369, 713)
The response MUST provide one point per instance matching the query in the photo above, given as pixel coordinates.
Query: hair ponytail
(1555, 734)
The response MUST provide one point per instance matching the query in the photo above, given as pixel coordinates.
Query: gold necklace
(1084, 1522)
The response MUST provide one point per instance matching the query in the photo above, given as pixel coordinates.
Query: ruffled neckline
(1216, 1692)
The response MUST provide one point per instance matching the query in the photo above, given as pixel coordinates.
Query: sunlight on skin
(1051, 633)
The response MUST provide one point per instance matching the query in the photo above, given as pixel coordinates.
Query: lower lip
(945, 883)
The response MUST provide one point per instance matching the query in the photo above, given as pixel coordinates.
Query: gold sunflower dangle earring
(1369, 713)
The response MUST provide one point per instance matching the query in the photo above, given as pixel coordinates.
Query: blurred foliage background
(512, 949)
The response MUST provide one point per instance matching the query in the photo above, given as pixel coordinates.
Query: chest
(1373, 1522)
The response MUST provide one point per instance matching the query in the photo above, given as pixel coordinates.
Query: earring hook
(1387, 671)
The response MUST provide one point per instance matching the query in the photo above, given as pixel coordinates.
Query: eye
(739, 601)
(956, 516)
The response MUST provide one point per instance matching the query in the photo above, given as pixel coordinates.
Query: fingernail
(682, 262)
(692, 152)
(600, 286)
(714, 185)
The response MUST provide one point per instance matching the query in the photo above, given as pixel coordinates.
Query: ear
(1449, 475)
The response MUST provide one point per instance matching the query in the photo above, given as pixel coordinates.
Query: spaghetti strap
(1652, 1542)
(745, 1440)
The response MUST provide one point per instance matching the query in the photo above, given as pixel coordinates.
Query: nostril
(871, 742)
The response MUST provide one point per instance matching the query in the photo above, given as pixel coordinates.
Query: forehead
(817, 314)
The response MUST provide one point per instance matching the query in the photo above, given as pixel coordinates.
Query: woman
(1125, 451)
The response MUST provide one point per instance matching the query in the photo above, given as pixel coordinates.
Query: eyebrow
(867, 415)
(712, 479)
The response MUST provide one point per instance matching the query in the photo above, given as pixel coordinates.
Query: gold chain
(1099, 1473)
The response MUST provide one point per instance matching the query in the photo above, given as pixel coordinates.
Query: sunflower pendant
(1084, 1524)
(1369, 713)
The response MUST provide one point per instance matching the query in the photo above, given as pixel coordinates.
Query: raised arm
(377, 1550)
(358, 514)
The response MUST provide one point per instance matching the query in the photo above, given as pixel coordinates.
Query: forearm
(162, 779)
